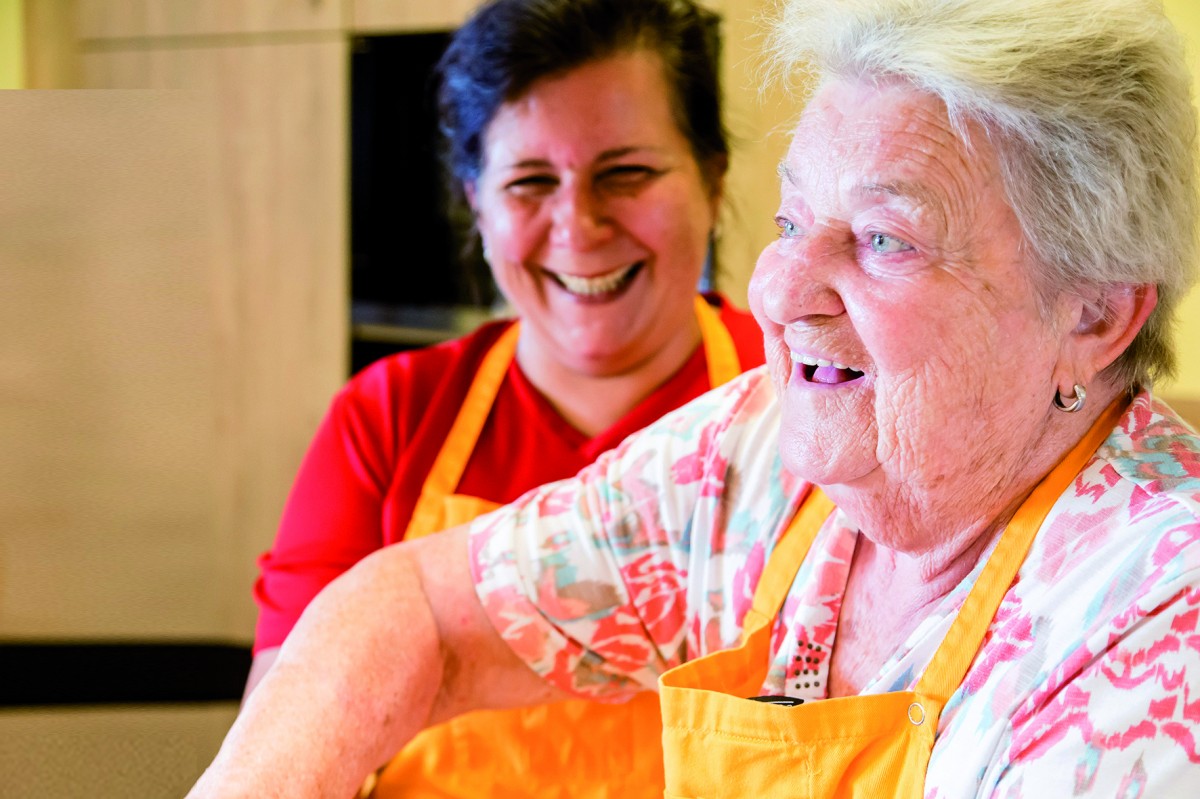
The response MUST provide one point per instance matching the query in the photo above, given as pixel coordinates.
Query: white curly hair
(1088, 106)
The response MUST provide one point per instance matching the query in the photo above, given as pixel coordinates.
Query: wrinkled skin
(899, 256)
(914, 363)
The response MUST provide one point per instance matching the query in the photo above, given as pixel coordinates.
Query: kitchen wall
(173, 322)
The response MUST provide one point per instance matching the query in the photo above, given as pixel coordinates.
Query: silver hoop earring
(1076, 401)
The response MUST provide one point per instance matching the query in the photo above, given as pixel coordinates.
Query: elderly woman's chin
(834, 443)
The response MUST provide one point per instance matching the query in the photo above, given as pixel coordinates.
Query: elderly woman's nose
(796, 279)
(578, 219)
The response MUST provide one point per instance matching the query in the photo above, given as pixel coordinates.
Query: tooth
(809, 360)
(595, 285)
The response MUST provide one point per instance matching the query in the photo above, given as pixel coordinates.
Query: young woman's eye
(787, 228)
(627, 175)
(887, 245)
(531, 184)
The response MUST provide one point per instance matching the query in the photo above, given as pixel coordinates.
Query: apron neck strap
(957, 651)
(784, 561)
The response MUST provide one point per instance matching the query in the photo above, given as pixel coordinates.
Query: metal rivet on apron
(916, 714)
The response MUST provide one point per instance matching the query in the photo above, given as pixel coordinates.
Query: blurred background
(211, 213)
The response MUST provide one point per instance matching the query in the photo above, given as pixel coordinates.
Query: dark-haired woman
(587, 138)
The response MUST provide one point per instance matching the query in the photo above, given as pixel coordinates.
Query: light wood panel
(378, 16)
(105, 19)
(108, 478)
(279, 284)
(51, 49)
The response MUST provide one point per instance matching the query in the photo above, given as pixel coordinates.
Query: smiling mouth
(819, 370)
(598, 288)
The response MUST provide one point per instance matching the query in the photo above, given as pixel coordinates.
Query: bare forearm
(396, 644)
(356, 679)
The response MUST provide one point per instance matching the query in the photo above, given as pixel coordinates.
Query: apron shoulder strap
(962, 642)
(719, 350)
(451, 461)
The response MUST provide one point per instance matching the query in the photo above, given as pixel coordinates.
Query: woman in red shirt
(586, 136)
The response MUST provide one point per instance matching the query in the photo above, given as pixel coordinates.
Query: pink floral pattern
(1087, 684)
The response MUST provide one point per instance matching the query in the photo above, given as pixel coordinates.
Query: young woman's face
(595, 215)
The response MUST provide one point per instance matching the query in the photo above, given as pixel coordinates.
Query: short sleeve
(587, 579)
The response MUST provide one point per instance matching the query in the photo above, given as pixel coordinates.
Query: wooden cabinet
(109, 468)
(133, 19)
(758, 118)
(179, 325)
(51, 44)
(276, 115)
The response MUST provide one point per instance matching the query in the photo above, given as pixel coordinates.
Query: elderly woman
(950, 542)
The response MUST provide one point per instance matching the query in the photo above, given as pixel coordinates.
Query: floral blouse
(1087, 683)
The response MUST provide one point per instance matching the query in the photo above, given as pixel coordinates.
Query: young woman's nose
(794, 280)
(579, 220)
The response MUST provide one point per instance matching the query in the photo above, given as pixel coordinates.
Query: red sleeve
(331, 519)
(381, 433)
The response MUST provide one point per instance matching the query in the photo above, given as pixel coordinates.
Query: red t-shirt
(363, 473)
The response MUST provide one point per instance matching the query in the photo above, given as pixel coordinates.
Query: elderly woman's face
(897, 303)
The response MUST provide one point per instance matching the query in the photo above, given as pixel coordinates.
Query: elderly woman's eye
(885, 244)
(787, 228)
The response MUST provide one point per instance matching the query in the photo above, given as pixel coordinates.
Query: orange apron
(562, 750)
(719, 743)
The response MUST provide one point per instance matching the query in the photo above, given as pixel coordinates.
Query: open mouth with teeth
(600, 287)
(819, 370)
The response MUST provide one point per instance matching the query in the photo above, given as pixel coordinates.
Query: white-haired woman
(948, 536)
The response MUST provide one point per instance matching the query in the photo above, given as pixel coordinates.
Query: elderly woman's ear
(1104, 325)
